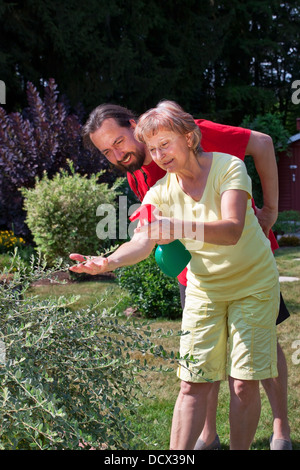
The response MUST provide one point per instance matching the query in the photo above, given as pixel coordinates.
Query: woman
(233, 289)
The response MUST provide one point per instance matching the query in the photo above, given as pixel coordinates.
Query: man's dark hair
(102, 112)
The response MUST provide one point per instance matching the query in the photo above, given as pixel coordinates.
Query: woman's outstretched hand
(89, 264)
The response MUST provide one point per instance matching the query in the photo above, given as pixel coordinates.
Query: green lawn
(88, 293)
(155, 413)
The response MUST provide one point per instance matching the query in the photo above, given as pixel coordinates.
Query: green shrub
(66, 378)
(61, 213)
(272, 125)
(287, 222)
(290, 240)
(5, 261)
(152, 292)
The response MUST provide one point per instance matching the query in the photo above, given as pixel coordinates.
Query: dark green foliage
(152, 292)
(288, 222)
(272, 125)
(218, 58)
(290, 240)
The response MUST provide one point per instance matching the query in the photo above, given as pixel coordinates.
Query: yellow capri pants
(235, 337)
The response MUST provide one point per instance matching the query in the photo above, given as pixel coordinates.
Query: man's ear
(132, 123)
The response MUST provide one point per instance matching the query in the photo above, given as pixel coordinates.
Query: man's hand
(266, 218)
(89, 264)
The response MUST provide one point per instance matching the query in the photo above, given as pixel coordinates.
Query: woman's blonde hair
(168, 115)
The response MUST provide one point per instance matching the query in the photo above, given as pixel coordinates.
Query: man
(110, 129)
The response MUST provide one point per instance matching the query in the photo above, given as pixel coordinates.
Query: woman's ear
(189, 139)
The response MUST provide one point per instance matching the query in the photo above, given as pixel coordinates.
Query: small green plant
(289, 240)
(287, 222)
(61, 213)
(152, 292)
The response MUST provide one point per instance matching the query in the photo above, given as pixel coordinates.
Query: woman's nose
(160, 154)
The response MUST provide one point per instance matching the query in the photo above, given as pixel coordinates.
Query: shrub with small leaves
(68, 380)
(152, 292)
(61, 213)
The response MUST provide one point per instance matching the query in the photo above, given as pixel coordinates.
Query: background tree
(220, 59)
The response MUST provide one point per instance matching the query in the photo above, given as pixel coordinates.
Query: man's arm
(260, 147)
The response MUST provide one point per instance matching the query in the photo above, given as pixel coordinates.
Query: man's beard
(139, 158)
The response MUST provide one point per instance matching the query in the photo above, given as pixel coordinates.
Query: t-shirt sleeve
(234, 176)
(222, 138)
(151, 198)
(155, 197)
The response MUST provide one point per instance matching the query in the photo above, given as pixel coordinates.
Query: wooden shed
(289, 175)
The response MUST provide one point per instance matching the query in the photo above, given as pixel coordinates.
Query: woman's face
(168, 149)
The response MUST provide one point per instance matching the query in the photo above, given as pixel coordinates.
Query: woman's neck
(192, 179)
(195, 167)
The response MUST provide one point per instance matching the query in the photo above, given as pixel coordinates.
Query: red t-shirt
(215, 138)
(142, 180)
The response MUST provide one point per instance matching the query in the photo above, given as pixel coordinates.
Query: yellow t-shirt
(219, 271)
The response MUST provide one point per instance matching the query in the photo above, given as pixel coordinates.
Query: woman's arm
(132, 252)
(226, 231)
(229, 229)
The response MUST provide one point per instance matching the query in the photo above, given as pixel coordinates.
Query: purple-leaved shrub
(41, 138)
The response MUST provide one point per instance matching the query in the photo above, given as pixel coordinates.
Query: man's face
(119, 146)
